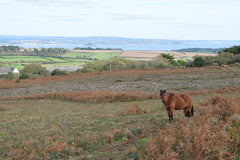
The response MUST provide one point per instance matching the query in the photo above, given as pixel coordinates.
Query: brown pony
(176, 102)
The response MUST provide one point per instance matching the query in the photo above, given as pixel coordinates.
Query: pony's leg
(192, 112)
(189, 112)
(171, 115)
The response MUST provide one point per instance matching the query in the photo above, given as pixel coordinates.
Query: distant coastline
(113, 42)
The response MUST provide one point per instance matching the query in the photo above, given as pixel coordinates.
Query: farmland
(21, 61)
(69, 59)
(118, 115)
(81, 57)
(152, 54)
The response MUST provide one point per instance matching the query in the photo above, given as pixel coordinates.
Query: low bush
(58, 72)
(24, 76)
(35, 70)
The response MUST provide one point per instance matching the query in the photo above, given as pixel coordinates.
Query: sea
(150, 47)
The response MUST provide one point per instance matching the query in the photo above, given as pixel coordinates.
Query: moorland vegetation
(49, 118)
(119, 115)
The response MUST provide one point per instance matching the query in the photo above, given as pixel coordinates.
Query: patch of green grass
(105, 56)
(99, 56)
(79, 55)
(143, 141)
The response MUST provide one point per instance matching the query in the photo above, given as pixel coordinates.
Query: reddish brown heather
(27, 82)
(90, 96)
(135, 110)
(202, 137)
(111, 96)
(220, 90)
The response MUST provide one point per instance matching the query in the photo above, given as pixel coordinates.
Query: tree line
(16, 50)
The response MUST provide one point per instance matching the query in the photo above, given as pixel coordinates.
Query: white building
(6, 70)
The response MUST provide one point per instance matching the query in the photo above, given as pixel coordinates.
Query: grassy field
(92, 55)
(21, 61)
(57, 117)
(69, 59)
(81, 57)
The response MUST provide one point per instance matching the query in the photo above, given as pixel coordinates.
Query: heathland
(118, 115)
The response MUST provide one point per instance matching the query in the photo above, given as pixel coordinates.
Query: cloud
(140, 16)
(63, 18)
(61, 3)
(3, 2)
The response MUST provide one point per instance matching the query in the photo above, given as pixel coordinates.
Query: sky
(147, 19)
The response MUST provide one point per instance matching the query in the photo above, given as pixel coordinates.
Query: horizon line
(57, 36)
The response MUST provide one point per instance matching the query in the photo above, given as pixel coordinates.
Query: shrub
(181, 62)
(158, 62)
(221, 107)
(58, 72)
(78, 71)
(199, 61)
(161, 65)
(34, 70)
(24, 76)
(168, 56)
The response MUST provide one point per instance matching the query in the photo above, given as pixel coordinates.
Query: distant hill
(112, 42)
(199, 50)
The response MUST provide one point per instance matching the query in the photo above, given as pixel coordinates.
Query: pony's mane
(171, 94)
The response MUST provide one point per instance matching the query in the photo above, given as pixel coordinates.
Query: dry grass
(58, 125)
(114, 96)
(90, 96)
(29, 82)
(3, 108)
(174, 80)
(204, 137)
(50, 129)
(151, 54)
(135, 110)
(60, 129)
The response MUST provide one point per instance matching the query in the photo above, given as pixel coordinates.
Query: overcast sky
(155, 19)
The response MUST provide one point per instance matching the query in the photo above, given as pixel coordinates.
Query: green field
(69, 59)
(92, 55)
(21, 61)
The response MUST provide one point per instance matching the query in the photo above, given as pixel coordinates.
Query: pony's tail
(192, 111)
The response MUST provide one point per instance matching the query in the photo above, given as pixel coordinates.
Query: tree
(35, 70)
(199, 61)
(233, 49)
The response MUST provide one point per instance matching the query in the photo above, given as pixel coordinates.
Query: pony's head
(163, 95)
(186, 112)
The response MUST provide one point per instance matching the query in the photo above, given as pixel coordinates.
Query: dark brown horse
(176, 102)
